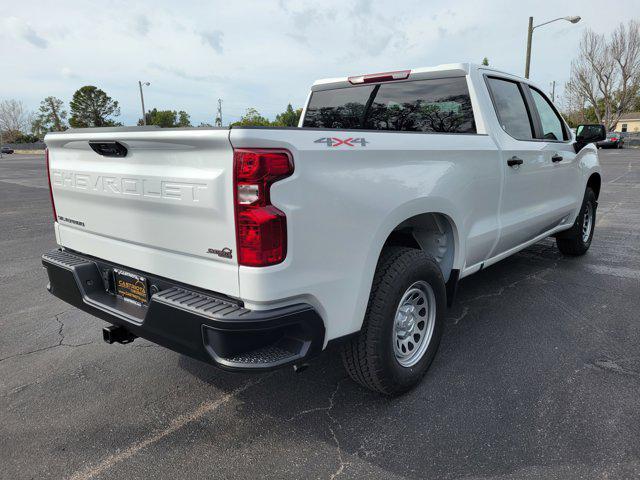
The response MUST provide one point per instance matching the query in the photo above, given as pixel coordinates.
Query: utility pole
(1, 143)
(218, 122)
(144, 116)
(553, 91)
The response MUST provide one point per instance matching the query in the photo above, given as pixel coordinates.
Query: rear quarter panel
(342, 202)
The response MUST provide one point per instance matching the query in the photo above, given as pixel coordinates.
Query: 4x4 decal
(347, 142)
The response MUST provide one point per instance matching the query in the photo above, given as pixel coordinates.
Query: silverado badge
(224, 253)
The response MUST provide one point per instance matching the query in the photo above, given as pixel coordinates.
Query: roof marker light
(380, 77)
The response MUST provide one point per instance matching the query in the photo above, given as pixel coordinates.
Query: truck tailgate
(165, 208)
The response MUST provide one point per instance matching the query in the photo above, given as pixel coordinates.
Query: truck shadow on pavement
(502, 395)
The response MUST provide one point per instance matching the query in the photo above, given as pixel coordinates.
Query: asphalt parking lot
(538, 375)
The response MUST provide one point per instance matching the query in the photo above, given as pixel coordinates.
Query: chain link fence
(632, 139)
(25, 146)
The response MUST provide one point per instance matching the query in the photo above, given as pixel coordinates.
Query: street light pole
(144, 116)
(529, 38)
(532, 27)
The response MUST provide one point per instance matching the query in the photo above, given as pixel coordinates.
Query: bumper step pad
(198, 303)
(207, 327)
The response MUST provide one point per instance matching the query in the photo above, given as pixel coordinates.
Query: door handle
(556, 158)
(513, 161)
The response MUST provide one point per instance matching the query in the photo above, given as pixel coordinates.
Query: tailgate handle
(109, 149)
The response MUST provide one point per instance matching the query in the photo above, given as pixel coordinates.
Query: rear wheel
(577, 240)
(403, 323)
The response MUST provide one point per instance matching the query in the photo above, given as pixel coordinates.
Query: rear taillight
(53, 205)
(261, 229)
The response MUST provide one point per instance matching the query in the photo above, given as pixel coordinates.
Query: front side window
(551, 122)
(431, 106)
(511, 109)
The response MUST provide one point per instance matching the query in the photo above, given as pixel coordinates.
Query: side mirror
(586, 134)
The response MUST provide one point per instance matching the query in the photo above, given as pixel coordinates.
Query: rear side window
(510, 107)
(430, 106)
(551, 122)
(342, 108)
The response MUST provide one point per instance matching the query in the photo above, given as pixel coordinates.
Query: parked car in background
(613, 140)
(253, 248)
(7, 150)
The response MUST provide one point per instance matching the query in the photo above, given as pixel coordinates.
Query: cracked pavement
(538, 375)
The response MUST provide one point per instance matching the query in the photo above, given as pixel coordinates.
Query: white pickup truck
(253, 248)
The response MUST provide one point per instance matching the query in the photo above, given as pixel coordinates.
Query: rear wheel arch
(434, 233)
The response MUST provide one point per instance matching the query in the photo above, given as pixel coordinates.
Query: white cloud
(213, 39)
(22, 30)
(68, 73)
(266, 53)
(142, 24)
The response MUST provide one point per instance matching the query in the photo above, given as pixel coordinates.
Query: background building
(629, 122)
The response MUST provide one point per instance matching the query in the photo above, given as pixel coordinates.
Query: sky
(265, 54)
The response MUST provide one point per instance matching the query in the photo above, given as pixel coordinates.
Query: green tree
(26, 138)
(485, 61)
(167, 118)
(52, 116)
(252, 118)
(37, 128)
(92, 107)
(288, 118)
(161, 118)
(183, 119)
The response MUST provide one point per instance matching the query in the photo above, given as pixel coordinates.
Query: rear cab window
(511, 108)
(430, 106)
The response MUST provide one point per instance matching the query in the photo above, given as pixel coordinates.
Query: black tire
(369, 358)
(573, 242)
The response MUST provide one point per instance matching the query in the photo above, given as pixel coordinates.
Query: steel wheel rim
(413, 323)
(587, 223)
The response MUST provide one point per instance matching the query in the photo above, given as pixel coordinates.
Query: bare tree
(572, 105)
(606, 74)
(13, 118)
(625, 49)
